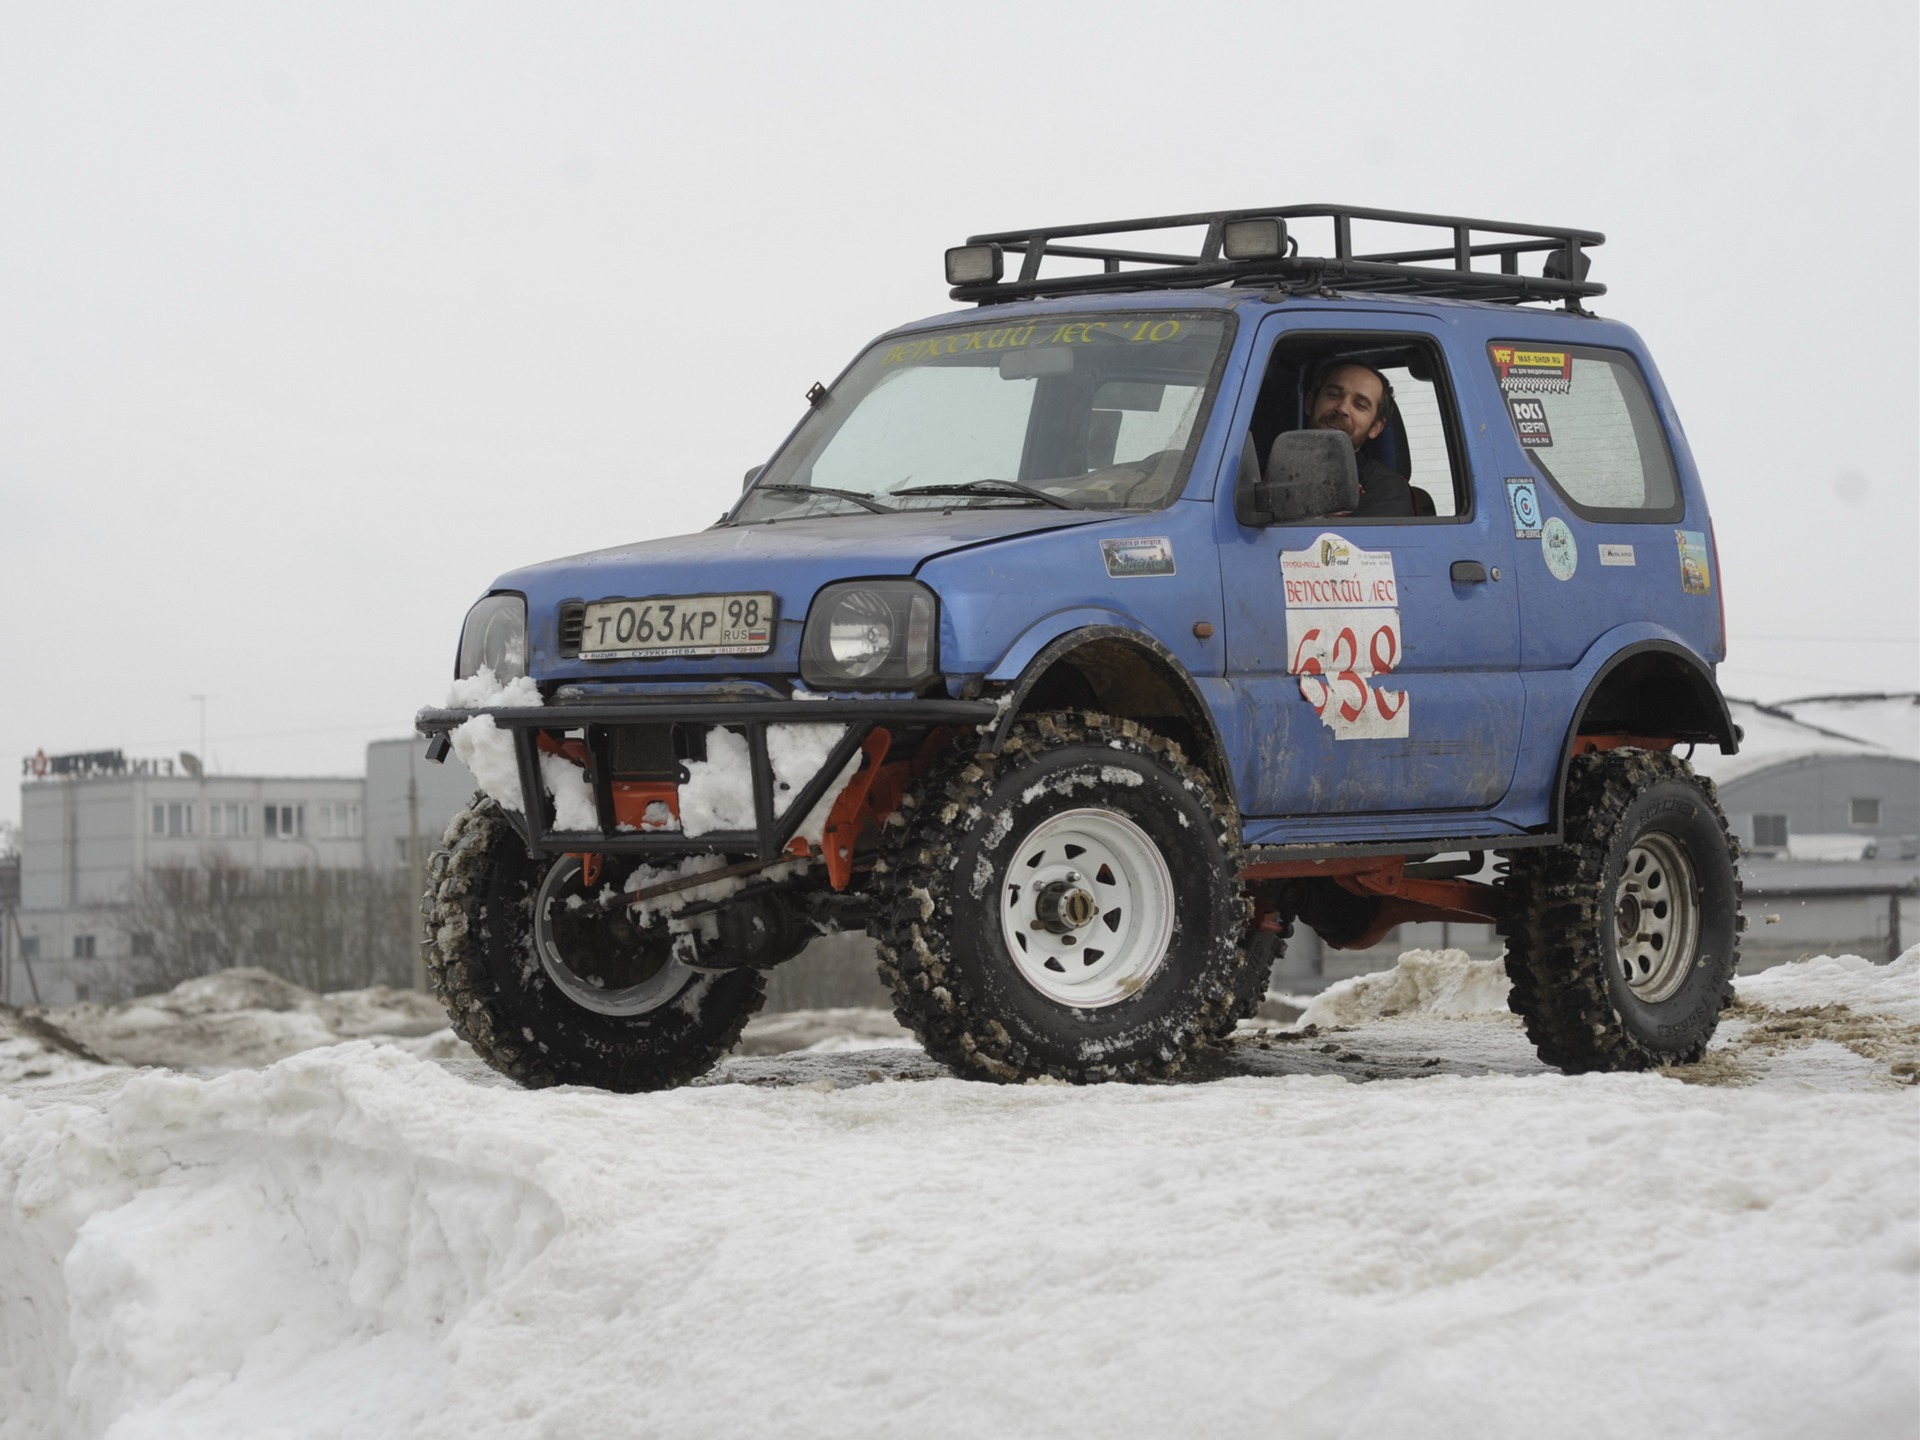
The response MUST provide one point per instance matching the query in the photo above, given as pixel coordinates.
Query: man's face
(1348, 400)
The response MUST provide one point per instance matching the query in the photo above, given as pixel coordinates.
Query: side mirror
(1309, 472)
(752, 475)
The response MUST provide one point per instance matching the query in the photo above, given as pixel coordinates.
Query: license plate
(678, 625)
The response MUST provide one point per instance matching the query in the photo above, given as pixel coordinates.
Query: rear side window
(1587, 422)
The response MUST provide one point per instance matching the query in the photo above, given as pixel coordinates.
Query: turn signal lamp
(1259, 239)
(974, 265)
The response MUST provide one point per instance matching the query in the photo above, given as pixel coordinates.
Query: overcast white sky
(314, 318)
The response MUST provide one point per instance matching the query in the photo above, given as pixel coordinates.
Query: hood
(794, 558)
(791, 558)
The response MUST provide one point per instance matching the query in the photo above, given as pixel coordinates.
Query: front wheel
(549, 979)
(1622, 941)
(1068, 906)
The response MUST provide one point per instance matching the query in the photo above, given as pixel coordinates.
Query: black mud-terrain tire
(1623, 940)
(1153, 966)
(1264, 949)
(483, 966)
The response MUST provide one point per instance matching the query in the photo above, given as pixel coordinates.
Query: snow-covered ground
(1382, 1219)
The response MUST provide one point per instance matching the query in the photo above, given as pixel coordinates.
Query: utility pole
(20, 949)
(417, 886)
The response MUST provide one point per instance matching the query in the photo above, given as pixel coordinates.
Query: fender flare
(1726, 732)
(1064, 644)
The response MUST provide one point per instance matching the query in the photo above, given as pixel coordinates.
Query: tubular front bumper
(774, 826)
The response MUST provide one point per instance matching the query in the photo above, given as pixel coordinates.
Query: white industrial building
(94, 827)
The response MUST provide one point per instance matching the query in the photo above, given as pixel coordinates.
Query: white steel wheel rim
(650, 994)
(1086, 908)
(1656, 911)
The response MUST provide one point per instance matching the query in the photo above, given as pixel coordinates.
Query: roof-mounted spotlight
(1262, 238)
(974, 265)
(1567, 263)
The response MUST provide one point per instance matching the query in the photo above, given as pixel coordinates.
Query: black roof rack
(1442, 269)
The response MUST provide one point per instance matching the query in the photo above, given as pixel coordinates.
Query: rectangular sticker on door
(1343, 634)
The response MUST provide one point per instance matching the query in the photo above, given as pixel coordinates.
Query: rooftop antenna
(195, 768)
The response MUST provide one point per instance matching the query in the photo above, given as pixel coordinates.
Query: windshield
(1079, 412)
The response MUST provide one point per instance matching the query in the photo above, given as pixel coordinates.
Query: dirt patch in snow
(1749, 1031)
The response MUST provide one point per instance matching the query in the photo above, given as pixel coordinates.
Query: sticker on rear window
(1530, 422)
(1532, 372)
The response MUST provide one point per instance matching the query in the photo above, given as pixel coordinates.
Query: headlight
(869, 635)
(495, 635)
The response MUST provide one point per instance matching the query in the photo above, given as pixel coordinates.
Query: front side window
(1077, 412)
(1406, 436)
(1586, 420)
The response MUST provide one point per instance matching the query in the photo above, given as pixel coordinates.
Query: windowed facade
(336, 820)
(173, 819)
(83, 947)
(226, 820)
(1864, 814)
(284, 822)
(1769, 832)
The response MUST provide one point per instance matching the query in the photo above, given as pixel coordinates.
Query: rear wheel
(552, 982)
(1622, 942)
(1068, 906)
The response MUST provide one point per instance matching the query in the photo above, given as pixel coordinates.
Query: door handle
(1468, 572)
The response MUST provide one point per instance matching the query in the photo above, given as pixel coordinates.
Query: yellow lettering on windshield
(1017, 337)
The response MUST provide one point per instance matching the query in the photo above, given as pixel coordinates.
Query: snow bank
(217, 1022)
(357, 1242)
(1437, 982)
(1891, 989)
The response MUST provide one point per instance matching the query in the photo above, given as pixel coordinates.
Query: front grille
(573, 618)
(643, 752)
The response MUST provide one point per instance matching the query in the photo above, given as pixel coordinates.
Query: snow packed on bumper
(483, 747)
(718, 794)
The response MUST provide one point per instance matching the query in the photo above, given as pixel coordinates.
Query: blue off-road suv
(1059, 648)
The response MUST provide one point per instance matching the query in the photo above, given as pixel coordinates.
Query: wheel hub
(1062, 907)
(1656, 914)
(1086, 908)
(589, 946)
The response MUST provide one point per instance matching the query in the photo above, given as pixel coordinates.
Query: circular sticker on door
(1556, 543)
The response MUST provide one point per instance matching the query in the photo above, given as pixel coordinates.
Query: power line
(1830, 639)
(214, 740)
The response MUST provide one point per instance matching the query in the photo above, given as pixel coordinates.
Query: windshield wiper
(1006, 489)
(865, 502)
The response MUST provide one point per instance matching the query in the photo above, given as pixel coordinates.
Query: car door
(1374, 659)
